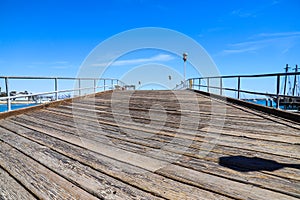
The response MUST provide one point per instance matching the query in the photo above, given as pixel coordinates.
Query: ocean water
(263, 102)
(3, 107)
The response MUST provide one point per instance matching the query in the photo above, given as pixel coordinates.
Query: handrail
(53, 77)
(196, 84)
(109, 83)
(44, 93)
(251, 75)
(247, 91)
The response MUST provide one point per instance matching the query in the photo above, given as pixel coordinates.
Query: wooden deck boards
(88, 149)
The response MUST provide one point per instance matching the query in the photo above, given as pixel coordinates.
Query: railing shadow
(249, 164)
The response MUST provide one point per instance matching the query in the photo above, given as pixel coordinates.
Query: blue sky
(52, 38)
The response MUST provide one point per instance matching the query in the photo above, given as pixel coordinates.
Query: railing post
(8, 94)
(56, 89)
(95, 85)
(221, 86)
(239, 86)
(208, 85)
(112, 84)
(79, 87)
(199, 84)
(277, 91)
(104, 84)
(193, 85)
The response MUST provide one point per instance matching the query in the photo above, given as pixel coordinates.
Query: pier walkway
(100, 148)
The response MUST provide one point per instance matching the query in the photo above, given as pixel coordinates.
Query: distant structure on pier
(291, 89)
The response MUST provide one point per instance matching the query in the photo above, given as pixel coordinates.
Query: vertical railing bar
(56, 89)
(79, 87)
(221, 86)
(208, 84)
(277, 91)
(95, 85)
(8, 94)
(239, 87)
(199, 84)
(193, 85)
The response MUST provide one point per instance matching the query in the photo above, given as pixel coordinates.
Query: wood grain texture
(100, 147)
(10, 189)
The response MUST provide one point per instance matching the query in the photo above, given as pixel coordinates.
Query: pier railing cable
(105, 84)
(205, 84)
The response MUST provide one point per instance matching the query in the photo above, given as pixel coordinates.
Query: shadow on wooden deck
(248, 164)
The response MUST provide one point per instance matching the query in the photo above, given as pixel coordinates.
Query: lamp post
(184, 66)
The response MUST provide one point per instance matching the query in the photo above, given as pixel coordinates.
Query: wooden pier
(90, 148)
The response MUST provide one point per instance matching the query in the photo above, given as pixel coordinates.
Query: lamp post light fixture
(184, 66)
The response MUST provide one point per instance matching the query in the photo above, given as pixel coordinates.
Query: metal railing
(97, 83)
(216, 82)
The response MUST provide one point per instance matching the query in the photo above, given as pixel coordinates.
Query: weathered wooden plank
(153, 165)
(267, 137)
(153, 143)
(229, 107)
(38, 179)
(94, 182)
(253, 134)
(10, 189)
(203, 106)
(288, 137)
(171, 109)
(86, 123)
(67, 120)
(243, 109)
(143, 146)
(144, 108)
(148, 96)
(260, 179)
(236, 189)
(224, 122)
(125, 171)
(177, 149)
(240, 142)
